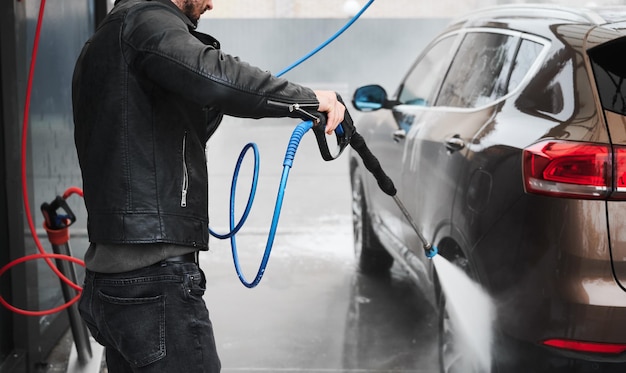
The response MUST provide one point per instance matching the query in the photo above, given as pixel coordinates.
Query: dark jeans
(152, 319)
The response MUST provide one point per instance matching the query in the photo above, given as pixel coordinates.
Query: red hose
(72, 190)
(33, 257)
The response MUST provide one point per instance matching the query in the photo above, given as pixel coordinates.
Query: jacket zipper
(185, 185)
(297, 108)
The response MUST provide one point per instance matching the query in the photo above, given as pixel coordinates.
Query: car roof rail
(569, 13)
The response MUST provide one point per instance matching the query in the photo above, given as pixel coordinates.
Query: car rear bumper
(556, 283)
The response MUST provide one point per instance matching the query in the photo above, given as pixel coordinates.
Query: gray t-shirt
(115, 258)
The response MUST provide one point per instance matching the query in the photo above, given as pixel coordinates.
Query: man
(148, 92)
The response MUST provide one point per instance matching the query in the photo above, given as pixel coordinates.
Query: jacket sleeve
(157, 43)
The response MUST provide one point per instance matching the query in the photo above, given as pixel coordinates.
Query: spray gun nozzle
(430, 251)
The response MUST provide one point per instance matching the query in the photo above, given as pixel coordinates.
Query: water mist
(471, 312)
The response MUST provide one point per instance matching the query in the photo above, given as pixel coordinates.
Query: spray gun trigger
(339, 130)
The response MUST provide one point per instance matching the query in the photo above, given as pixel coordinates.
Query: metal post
(78, 327)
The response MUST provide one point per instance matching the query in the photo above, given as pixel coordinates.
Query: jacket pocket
(185, 179)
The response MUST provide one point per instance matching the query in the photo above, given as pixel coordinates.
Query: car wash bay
(312, 310)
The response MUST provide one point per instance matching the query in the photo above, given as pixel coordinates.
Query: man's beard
(188, 9)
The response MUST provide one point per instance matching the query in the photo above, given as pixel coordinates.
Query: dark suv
(506, 141)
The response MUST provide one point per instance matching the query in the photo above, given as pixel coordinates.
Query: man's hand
(333, 109)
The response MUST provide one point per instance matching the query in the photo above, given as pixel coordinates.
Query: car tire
(370, 253)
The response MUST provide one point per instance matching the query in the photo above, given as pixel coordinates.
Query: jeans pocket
(135, 327)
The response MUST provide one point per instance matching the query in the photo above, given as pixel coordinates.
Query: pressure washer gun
(346, 134)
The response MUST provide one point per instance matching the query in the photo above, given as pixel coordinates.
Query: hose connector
(430, 251)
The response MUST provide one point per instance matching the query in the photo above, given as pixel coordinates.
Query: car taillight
(572, 169)
(580, 346)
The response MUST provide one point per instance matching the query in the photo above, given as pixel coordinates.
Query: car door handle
(454, 143)
(399, 135)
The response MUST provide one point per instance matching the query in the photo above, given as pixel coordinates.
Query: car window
(423, 81)
(480, 70)
(610, 73)
(526, 56)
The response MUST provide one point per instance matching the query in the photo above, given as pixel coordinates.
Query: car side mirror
(371, 98)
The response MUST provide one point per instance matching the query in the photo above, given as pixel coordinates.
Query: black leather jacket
(148, 92)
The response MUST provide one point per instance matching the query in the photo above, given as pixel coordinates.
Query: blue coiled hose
(294, 141)
(233, 187)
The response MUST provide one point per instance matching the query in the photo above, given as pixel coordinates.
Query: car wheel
(371, 255)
